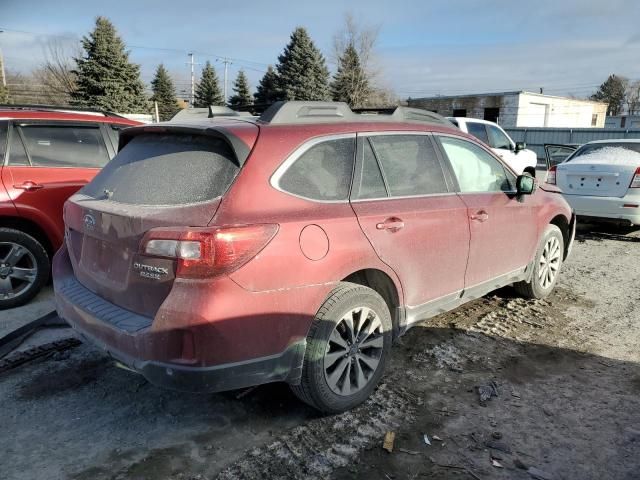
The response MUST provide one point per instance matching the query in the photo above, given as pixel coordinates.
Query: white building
(519, 109)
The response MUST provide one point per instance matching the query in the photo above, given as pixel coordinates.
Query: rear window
(619, 152)
(172, 169)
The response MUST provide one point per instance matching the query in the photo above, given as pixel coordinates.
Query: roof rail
(295, 112)
(58, 108)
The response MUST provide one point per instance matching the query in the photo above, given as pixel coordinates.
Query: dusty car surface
(601, 180)
(231, 252)
(47, 154)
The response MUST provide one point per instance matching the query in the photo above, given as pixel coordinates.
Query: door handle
(391, 224)
(480, 216)
(29, 186)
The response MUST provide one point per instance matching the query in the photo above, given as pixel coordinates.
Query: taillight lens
(207, 252)
(635, 183)
(551, 175)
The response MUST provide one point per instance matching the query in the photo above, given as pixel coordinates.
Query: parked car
(514, 154)
(601, 180)
(47, 154)
(228, 253)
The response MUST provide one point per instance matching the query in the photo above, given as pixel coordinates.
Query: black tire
(35, 258)
(314, 388)
(535, 288)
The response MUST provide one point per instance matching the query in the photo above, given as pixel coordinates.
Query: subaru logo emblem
(89, 222)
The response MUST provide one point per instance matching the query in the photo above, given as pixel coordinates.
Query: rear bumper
(607, 207)
(283, 367)
(217, 349)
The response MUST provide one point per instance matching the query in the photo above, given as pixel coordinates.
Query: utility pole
(4, 78)
(193, 80)
(226, 62)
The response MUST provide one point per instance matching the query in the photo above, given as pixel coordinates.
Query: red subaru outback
(228, 253)
(46, 155)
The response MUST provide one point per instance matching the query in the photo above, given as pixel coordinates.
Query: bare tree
(56, 73)
(363, 39)
(632, 98)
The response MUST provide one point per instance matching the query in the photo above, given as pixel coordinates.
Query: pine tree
(164, 93)
(4, 94)
(302, 71)
(613, 92)
(350, 83)
(208, 89)
(242, 93)
(267, 91)
(106, 79)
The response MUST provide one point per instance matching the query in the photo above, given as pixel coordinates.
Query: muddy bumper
(131, 340)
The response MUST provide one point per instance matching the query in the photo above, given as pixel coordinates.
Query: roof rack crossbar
(296, 112)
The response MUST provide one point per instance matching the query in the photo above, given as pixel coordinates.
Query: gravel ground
(566, 372)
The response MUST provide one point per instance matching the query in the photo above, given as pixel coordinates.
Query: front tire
(24, 268)
(546, 265)
(348, 347)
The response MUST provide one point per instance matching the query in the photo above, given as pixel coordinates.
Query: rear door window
(409, 164)
(478, 130)
(3, 140)
(17, 153)
(166, 169)
(64, 145)
(476, 170)
(322, 172)
(371, 183)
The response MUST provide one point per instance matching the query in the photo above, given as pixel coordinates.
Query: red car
(47, 155)
(220, 254)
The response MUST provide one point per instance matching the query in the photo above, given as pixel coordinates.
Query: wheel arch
(564, 225)
(386, 287)
(30, 228)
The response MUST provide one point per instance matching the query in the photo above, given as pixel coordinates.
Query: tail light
(208, 252)
(551, 175)
(635, 183)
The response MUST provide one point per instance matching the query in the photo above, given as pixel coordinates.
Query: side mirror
(525, 184)
(520, 146)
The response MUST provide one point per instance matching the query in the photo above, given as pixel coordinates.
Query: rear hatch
(599, 170)
(162, 177)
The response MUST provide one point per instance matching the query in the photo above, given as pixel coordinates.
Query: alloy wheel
(549, 262)
(353, 351)
(18, 270)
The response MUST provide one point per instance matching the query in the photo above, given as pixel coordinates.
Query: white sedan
(601, 179)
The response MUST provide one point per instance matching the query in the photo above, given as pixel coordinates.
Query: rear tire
(24, 268)
(348, 347)
(546, 265)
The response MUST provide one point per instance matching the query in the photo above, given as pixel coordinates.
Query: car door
(556, 154)
(47, 163)
(406, 207)
(503, 227)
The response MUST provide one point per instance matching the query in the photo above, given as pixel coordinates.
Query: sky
(424, 48)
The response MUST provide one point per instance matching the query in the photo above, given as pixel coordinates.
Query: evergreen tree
(4, 94)
(164, 93)
(613, 92)
(350, 83)
(302, 72)
(242, 93)
(208, 89)
(106, 78)
(267, 91)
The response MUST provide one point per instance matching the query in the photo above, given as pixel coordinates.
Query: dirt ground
(566, 372)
